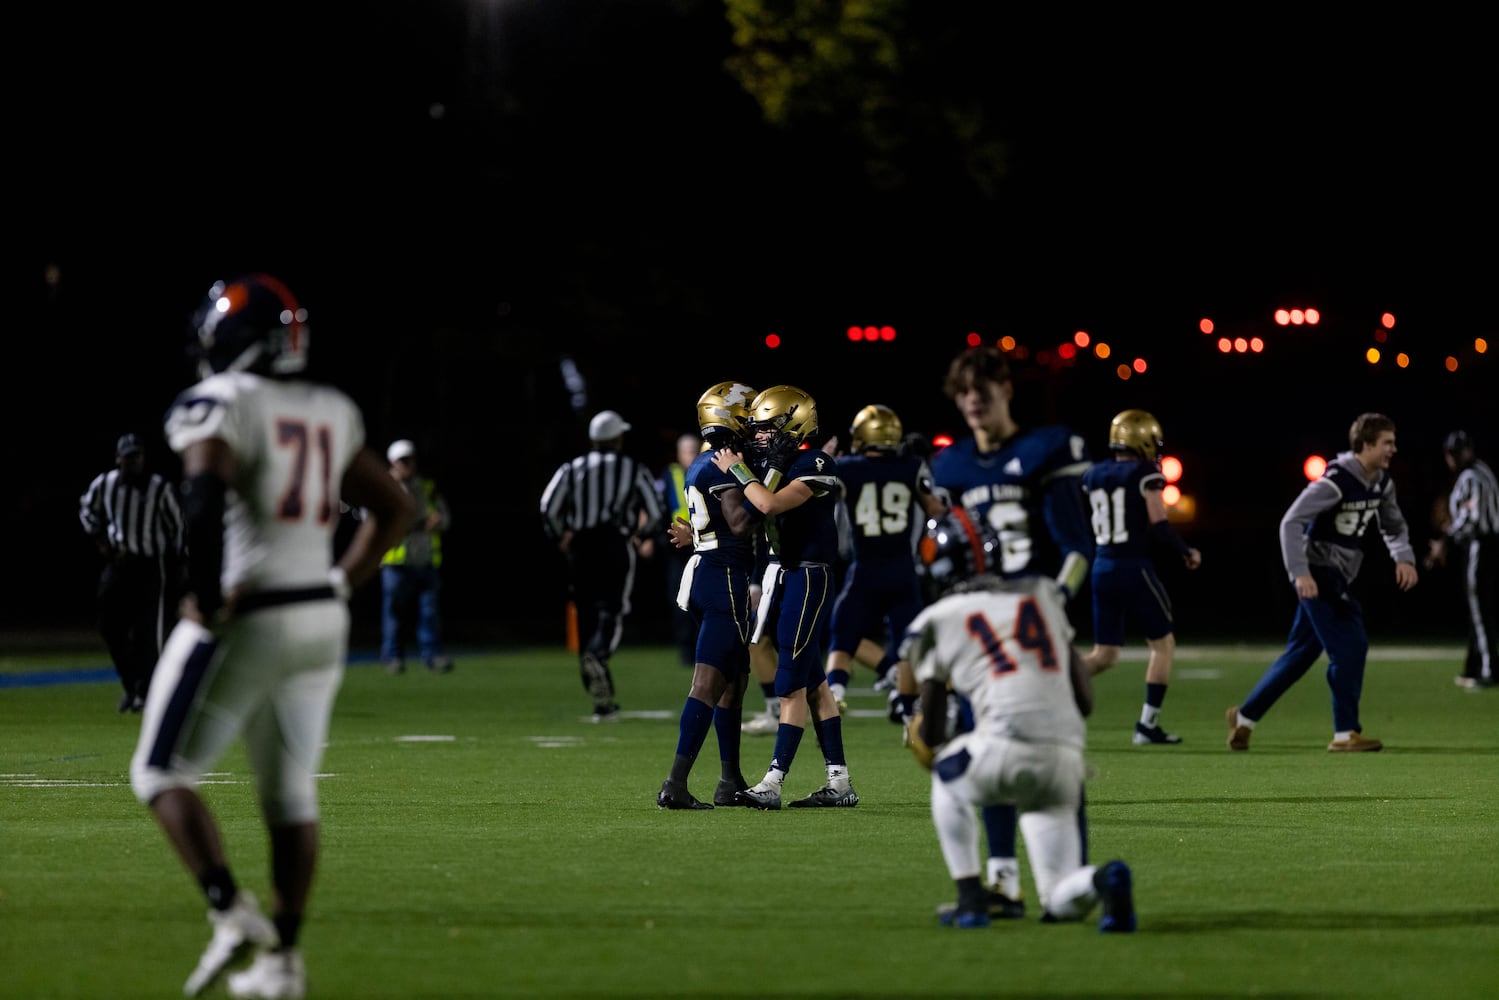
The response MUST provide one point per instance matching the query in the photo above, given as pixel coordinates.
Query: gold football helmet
(786, 409)
(725, 406)
(1136, 431)
(875, 426)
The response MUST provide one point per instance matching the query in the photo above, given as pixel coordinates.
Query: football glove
(781, 452)
(911, 740)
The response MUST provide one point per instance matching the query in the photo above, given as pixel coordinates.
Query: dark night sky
(597, 187)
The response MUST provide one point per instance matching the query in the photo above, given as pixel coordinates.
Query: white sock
(1343, 735)
(840, 693)
(1004, 875)
(1245, 721)
(838, 777)
(1148, 716)
(773, 707)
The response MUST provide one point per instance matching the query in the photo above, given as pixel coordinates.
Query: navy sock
(999, 823)
(838, 677)
(692, 731)
(218, 885)
(1155, 695)
(830, 738)
(726, 724)
(788, 738)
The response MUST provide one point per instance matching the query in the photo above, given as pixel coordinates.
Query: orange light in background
(1081, 338)
(941, 441)
(1006, 343)
(1313, 317)
(1101, 349)
(1451, 363)
(1314, 466)
(772, 340)
(1387, 320)
(973, 339)
(1403, 360)
(1123, 372)
(1480, 345)
(1283, 317)
(1171, 494)
(1171, 468)
(1372, 355)
(1205, 325)
(887, 333)
(1241, 345)
(1225, 345)
(1297, 317)
(1256, 344)
(855, 332)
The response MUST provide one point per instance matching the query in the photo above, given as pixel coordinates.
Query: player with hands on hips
(1129, 517)
(1004, 647)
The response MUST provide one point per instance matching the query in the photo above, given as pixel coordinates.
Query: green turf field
(481, 839)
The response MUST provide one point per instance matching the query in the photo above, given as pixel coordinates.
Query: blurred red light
(887, 333)
(1067, 351)
(1314, 466)
(1313, 316)
(1282, 316)
(871, 333)
(1225, 345)
(1081, 338)
(1139, 365)
(1171, 468)
(772, 340)
(1205, 325)
(1256, 344)
(1171, 495)
(1387, 321)
(855, 332)
(973, 339)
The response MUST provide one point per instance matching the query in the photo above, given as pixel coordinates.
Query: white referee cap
(399, 450)
(606, 425)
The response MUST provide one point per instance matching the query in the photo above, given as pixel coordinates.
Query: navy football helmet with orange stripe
(250, 324)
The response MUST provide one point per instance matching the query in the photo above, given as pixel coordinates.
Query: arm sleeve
(650, 502)
(1067, 519)
(90, 514)
(1313, 500)
(554, 501)
(1394, 529)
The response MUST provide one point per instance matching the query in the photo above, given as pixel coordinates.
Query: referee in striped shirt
(135, 521)
(600, 509)
(1474, 536)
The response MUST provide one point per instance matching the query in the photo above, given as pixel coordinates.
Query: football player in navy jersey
(1321, 541)
(888, 497)
(1124, 493)
(1027, 486)
(798, 496)
(715, 590)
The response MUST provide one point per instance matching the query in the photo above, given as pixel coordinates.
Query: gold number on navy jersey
(883, 509)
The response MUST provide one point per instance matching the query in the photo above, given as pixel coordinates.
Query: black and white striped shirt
(142, 519)
(601, 488)
(1474, 504)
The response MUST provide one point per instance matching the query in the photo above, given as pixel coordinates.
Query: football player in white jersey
(260, 648)
(1004, 647)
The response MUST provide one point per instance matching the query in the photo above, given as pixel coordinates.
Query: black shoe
(1001, 907)
(677, 797)
(395, 666)
(726, 792)
(828, 797)
(126, 700)
(1152, 734)
(440, 665)
(606, 713)
(1116, 892)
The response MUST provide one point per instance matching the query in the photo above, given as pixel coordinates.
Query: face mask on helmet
(723, 414)
(1136, 431)
(875, 426)
(953, 550)
(781, 418)
(250, 324)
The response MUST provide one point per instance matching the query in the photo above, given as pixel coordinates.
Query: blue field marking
(47, 678)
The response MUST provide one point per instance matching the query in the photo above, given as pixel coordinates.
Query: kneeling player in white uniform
(260, 648)
(1004, 647)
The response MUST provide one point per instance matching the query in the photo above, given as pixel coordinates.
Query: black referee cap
(1457, 441)
(128, 444)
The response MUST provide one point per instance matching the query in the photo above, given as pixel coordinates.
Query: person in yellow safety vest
(670, 485)
(411, 573)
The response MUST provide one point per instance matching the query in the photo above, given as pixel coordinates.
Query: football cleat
(1116, 893)
(674, 796)
(1001, 907)
(605, 713)
(761, 725)
(235, 930)
(1152, 734)
(726, 792)
(951, 916)
(828, 797)
(274, 975)
(767, 798)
